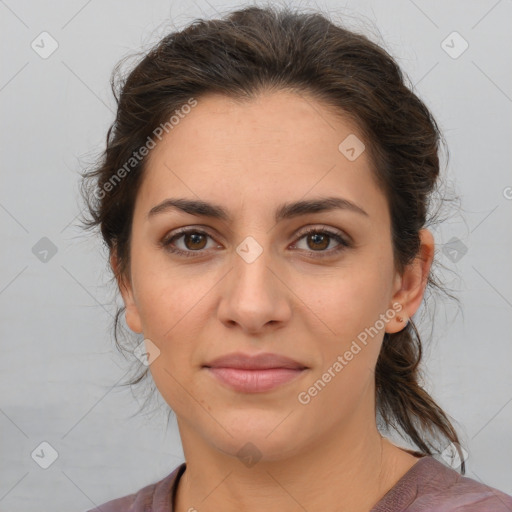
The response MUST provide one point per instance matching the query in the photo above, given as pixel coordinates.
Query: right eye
(193, 239)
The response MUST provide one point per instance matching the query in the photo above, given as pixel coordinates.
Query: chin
(257, 439)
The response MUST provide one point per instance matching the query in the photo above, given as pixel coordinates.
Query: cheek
(347, 301)
(349, 306)
(349, 349)
(167, 295)
(171, 321)
(171, 304)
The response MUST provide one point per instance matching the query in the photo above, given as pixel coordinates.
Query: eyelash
(343, 243)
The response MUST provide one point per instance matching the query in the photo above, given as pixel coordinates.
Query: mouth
(262, 361)
(254, 374)
(255, 381)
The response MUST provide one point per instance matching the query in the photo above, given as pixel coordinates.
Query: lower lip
(255, 381)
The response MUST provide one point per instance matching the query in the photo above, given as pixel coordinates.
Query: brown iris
(195, 239)
(319, 238)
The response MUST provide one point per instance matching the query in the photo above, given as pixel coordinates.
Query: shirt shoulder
(430, 485)
(156, 497)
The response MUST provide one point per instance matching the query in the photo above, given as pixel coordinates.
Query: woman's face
(252, 284)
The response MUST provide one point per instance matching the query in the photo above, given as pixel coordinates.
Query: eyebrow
(284, 211)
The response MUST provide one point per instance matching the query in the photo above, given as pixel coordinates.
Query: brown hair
(255, 49)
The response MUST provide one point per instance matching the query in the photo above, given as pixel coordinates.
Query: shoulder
(151, 498)
(431, 485)
(443, 489)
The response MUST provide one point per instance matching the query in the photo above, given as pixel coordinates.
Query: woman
(264, 197)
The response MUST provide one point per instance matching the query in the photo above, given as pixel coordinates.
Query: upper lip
(254, 362)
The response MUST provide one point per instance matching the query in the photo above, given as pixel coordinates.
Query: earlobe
(411, 284)
(132, 316)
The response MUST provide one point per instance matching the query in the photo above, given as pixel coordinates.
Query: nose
(254, 297)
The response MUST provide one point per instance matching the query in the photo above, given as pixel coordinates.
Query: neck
(349, 472)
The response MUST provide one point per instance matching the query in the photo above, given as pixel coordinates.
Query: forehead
(274, 146)
(279, 122)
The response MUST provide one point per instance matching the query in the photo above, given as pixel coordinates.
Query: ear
(410, 287)
(132, 316)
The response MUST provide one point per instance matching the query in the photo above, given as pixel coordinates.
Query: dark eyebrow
(284, 211)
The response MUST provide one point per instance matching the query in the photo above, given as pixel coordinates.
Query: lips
(264, 361)
(254, 374)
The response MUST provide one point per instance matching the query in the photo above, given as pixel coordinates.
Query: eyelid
(324, 228)
(197, 228)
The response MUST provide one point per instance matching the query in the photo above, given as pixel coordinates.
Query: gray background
(58, 367)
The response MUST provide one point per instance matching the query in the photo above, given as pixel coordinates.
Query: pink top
(429, 486)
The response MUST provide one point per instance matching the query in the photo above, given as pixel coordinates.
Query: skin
(250, 157)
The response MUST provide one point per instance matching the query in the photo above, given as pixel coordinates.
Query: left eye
(318, 240)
